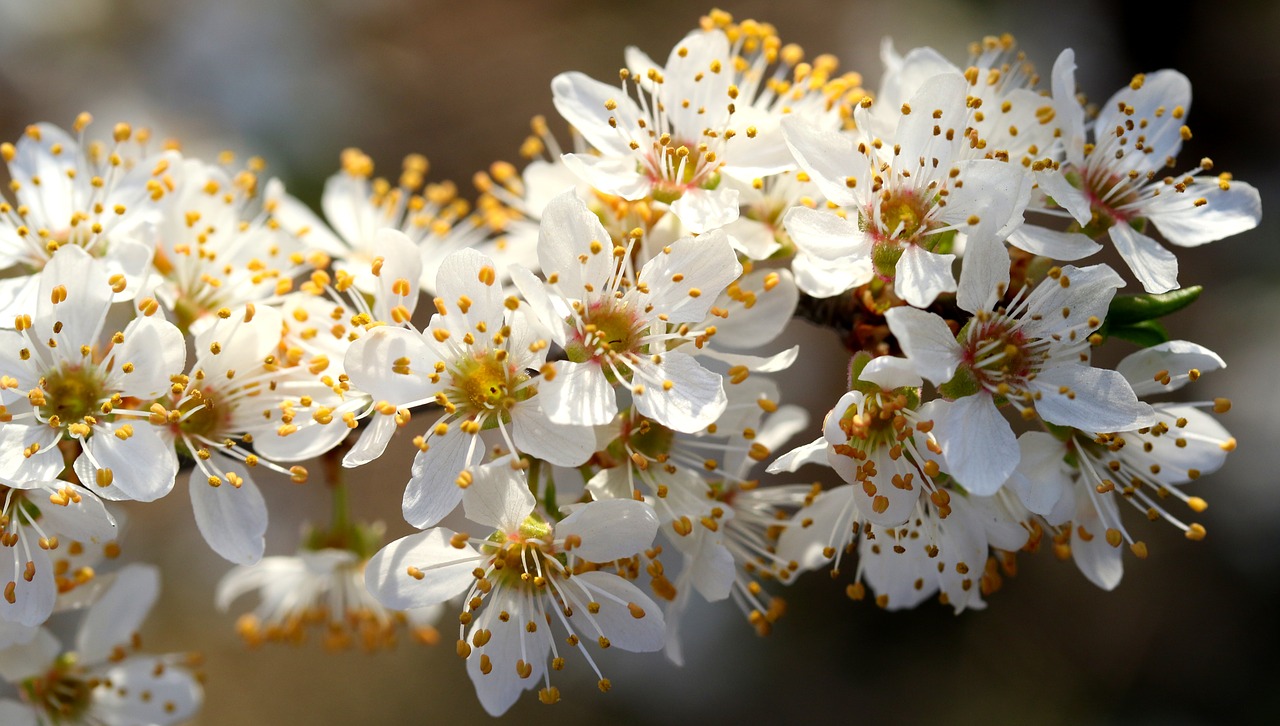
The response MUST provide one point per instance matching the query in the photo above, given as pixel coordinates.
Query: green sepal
(963, 383)
(856, 364)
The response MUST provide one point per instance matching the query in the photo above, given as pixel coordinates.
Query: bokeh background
(1190, 636)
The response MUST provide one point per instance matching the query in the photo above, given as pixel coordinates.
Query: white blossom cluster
(588, 384)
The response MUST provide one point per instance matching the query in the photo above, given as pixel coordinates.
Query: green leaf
(1146, 333)
(1127, 310)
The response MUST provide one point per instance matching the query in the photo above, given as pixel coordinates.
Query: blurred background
(1190, 636)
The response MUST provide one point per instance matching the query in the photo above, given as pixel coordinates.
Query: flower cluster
(589, 386)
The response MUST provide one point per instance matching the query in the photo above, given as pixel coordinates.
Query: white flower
(1143, 466)
(1033, 354)
(236, 393)
(617, 328)
(358, 208)
(321, 588)
(523, 580)
(1117, 182)
(99, 197)
(101, 681)
(909, 192)
(672, 142)
(38, 521)
(75, 383)
(476, 360)
(879, 439)
(215, 252)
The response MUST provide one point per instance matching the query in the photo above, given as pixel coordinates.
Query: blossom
(475, 359)
(101, 681)
(38, 522)
(520, 581)
(910, 192)
(1031, 353)
(236, 393)
(77, 384)
(675, 140)
(617, 329)
(1077, 484)
(216, 249)
(357, 207)
(1115, 183)
(322, 588)
(99, 197)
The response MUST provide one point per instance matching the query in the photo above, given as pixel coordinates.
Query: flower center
(899, 220)
(606, 329)
(69, 394)
(676, 168)
(876, 421)
(487, 382)
(200, 415)
(1001, 357)
(62, 693)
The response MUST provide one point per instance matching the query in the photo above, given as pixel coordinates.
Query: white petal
(401, 265)
(821, 278)
(1066, 246)
(146, 690)
(615, 617)
(610, 529)
(922, 275)
(143, 466)
(689, 78)
(45, 465)
(447, 570)
(1099, 561)
(829, 157)
(88, 296)
(827, 522)
(889, 373)
(1097, 400)
(498, 496)
(462, 275)
(509, 642)
(1155, 267)
(927, 342)
(694, 399)
(1176, 357)
(346, 205)
(32, 599)
(20, 662)
(118, 615)
(978, 444)
(433, 489)
(702, 210)
(157, 351)
(581, 100)
(16, 713)
(1161, 91)
(565, 246)
(578, 394)
(372, 442)
(298, 219)
(560, 444)
(232, 519)
(814, 452)
(614, 175)
(1225, 212)
(706, 265)
(371, 362)
(1056, 186)
(768, 314)
(544, 307)
(1042, 477)
(1070, 114)
(826, 235)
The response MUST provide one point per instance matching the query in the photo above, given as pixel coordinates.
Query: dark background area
(1191, 634)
